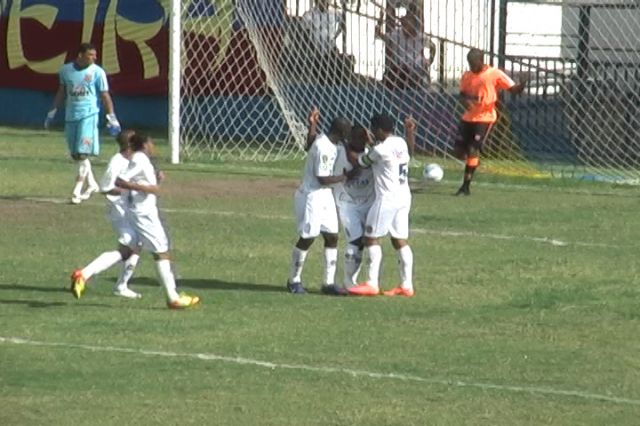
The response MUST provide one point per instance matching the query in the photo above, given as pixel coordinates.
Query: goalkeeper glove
(50, 116)
(113, 125)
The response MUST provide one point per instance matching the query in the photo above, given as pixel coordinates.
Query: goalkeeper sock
(163, 266)
(375, 259)
(330, 264)
(91, 180)
(352, 261)
(297, 263)
(101, 263)
(405, 265)
(128, 266)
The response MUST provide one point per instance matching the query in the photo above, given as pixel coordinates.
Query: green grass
(505, 328)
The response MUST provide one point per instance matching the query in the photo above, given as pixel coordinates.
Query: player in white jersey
(141, 179)
(353, 200)
(82, 82)
(389, 213)
(315, 207)
(118, 212)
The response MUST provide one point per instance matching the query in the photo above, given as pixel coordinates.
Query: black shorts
(474, 135)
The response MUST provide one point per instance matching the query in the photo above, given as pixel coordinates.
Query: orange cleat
(183, 302)
(77, 283)
(364, 289)
(400, 291)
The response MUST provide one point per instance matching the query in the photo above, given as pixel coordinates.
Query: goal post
(249, 71)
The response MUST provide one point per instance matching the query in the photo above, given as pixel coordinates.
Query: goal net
(252, 69)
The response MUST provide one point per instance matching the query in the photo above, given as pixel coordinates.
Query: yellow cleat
(77, 284)
(183, 302)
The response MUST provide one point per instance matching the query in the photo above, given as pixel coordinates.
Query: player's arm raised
(314, 119)
(410, 133)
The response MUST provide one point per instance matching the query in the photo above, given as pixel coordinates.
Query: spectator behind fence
(324, 25)
(407, 66)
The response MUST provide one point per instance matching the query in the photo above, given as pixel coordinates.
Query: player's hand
(160, 176)
(410, 124)
(50, 116)
(314, 116)
(121, 183)
(350, 174)
(113, 125)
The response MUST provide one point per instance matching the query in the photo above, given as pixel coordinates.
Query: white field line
(329, 370)
(441, 232)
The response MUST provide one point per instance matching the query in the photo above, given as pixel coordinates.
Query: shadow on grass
(20, 287)
(32, 303)
(213, 284)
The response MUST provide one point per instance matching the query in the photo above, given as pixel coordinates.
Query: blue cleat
(295, 288)
(333, 290)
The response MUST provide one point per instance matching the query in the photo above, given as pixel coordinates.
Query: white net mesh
(248, 93)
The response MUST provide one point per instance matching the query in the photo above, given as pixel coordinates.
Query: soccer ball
(433, 172)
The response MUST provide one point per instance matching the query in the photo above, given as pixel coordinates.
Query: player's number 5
(404, 172)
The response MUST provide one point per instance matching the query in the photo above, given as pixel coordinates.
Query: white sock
(91, 180)
(405, 264)
(330, 265)
(375, 259)
(352, 262)
(128, 266)
(163, 266)
(82, 176)
(101, 263)
(297, 263)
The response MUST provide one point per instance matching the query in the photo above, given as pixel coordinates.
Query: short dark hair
(124, 137)
(340, 126)
(138, 140)
(475, 54)
(84, 47)
(383, 122)
(358, 138)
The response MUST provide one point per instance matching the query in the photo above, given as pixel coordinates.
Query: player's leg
(377, 225)
(73, 142)
(79, 277)
(308, 226)
(329, 227)
(130, 259)
(475, 135)
(89, 135)
(353, 217)
(154, 239)
(399, 239)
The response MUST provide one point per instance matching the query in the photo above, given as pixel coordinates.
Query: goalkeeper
(81, 82)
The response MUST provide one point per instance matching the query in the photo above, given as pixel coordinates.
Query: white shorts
(353, 217)
(122, 226)
(151, 233)
(388, 216)
(316, 213)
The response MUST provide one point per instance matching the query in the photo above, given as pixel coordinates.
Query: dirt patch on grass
(251, 188)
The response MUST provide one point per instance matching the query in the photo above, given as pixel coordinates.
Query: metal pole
(502, 33)
(583, 42)
(175, 44)
(492, 32)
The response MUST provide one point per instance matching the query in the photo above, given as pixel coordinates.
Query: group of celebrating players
(352, 176)
(365, 184)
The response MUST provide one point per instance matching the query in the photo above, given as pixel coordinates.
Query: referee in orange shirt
(479, 93)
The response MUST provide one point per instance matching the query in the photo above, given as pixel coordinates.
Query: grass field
(527, 308)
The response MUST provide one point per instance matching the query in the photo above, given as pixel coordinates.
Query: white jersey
(320, 161)
(141, 171)
(358, 190)
(389, 161)
(408, 51)
(117, 166)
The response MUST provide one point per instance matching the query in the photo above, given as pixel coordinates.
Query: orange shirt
(481, 90)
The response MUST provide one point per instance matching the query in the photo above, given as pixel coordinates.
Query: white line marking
(329, 370)
(442, 233)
